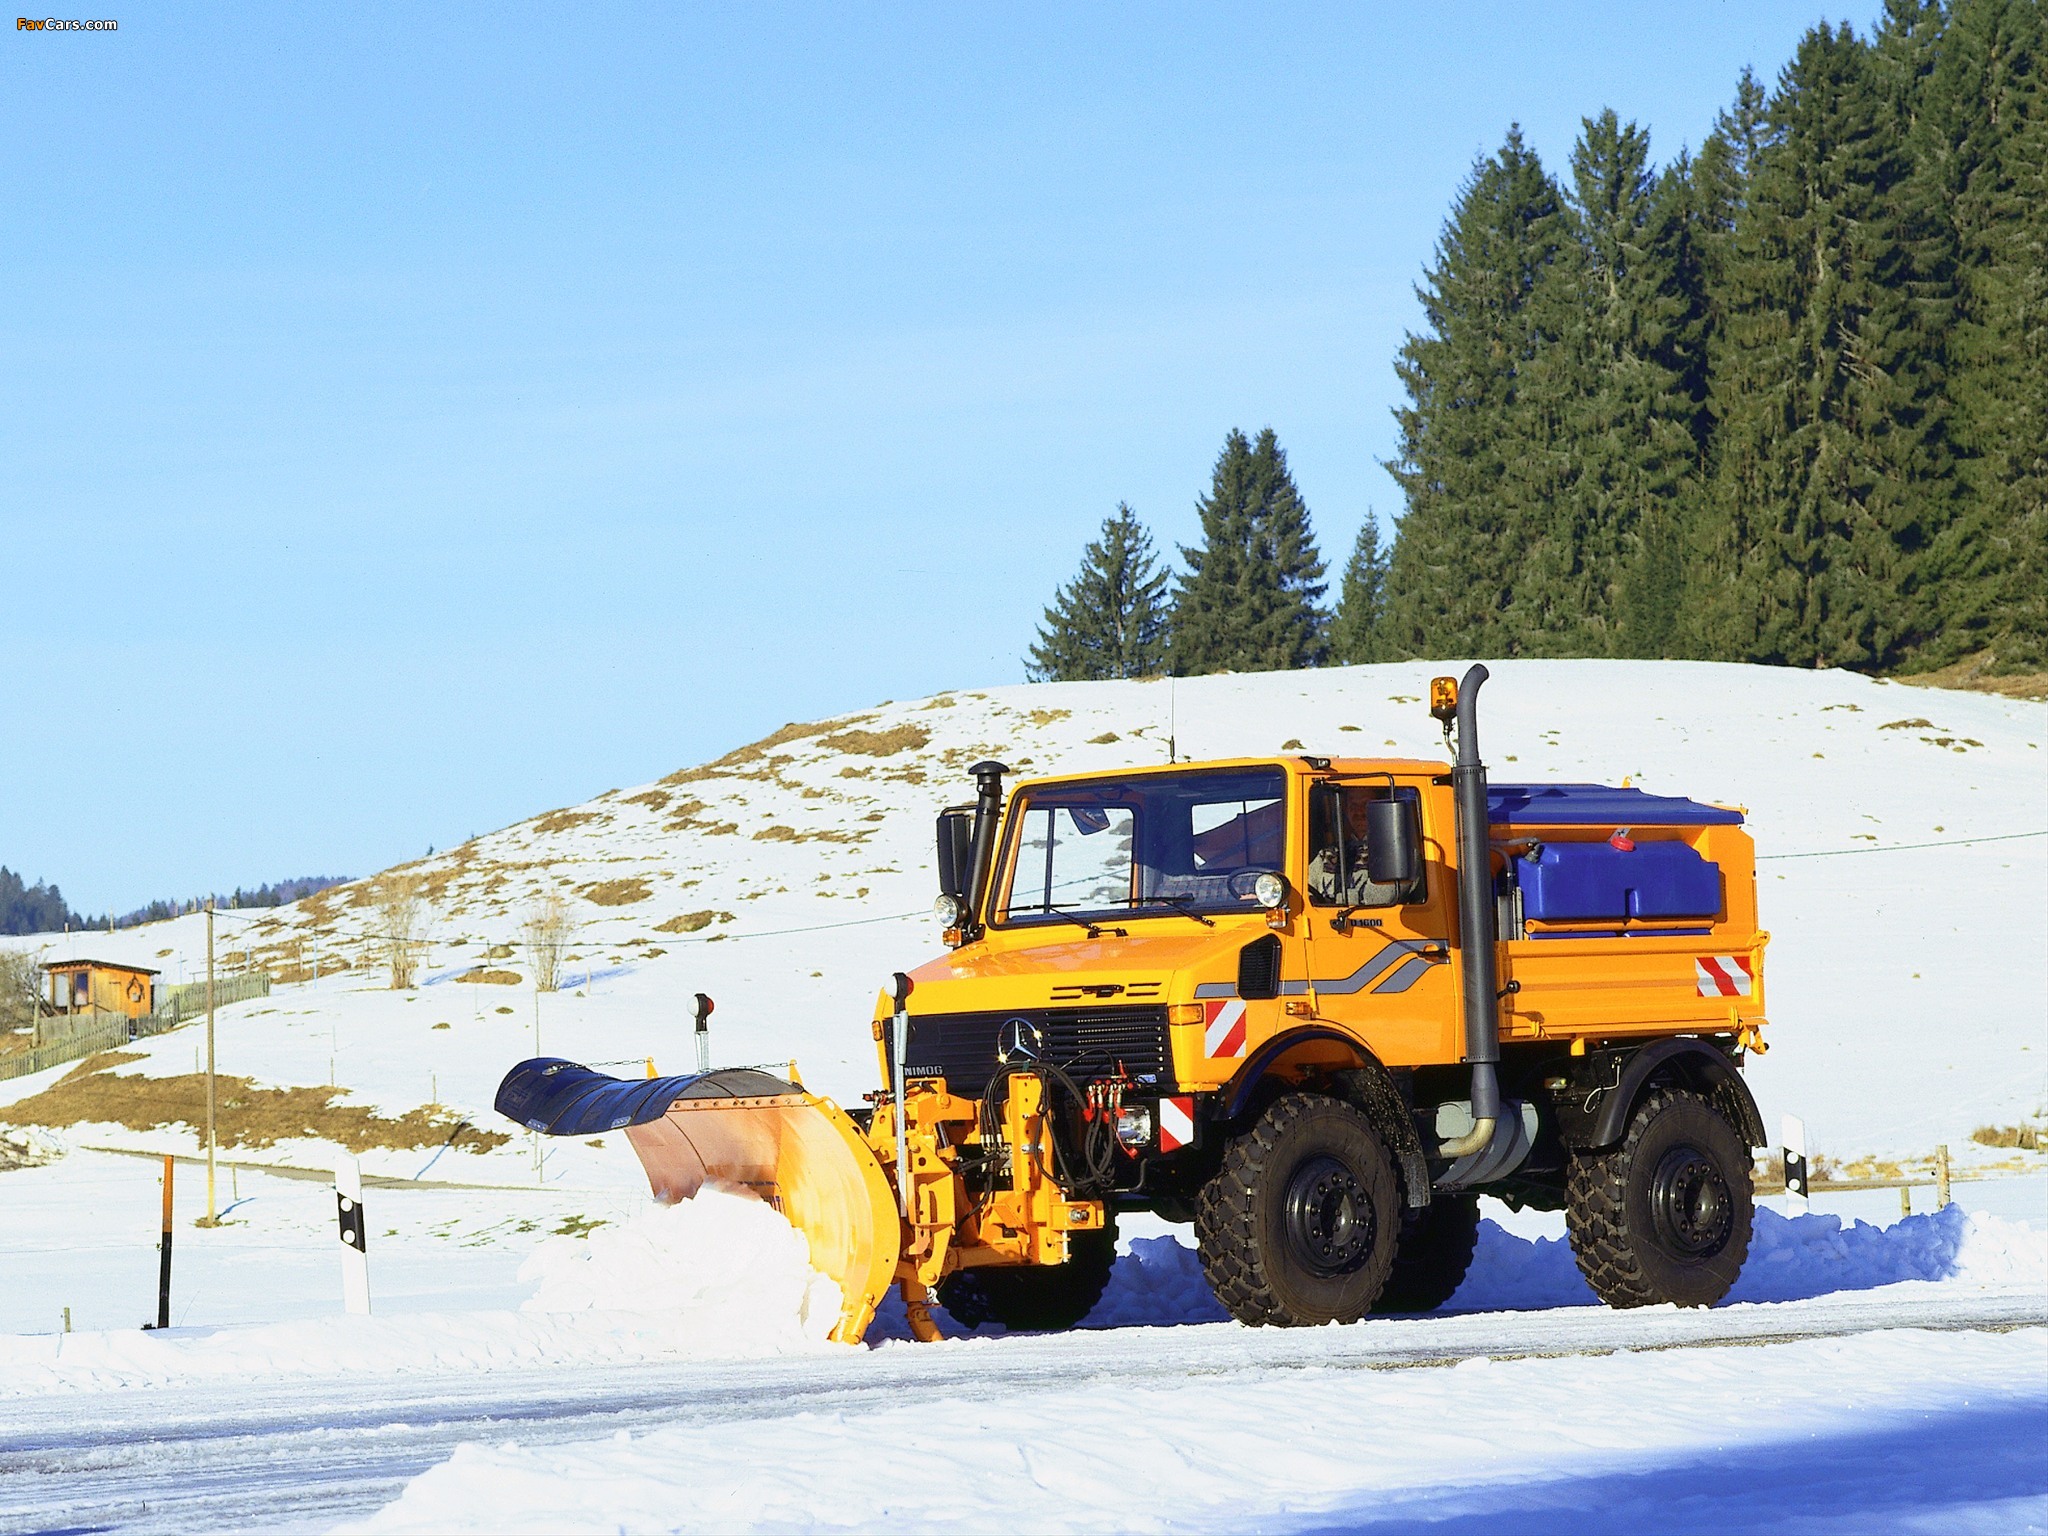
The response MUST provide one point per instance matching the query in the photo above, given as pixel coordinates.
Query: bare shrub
(20, 989)
(547, 935)
(401, 910)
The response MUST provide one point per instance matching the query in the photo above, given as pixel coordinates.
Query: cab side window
(1336, 850)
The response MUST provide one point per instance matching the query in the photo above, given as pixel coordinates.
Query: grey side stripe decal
(1395, 951)
(1404, 978)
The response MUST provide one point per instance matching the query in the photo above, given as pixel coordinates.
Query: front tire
(1298, 1227)
(1664, 1216)
(1035, 1298)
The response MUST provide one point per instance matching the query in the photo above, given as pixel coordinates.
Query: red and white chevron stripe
(1176, 1123)
(1722, 975)
(1224, 1033)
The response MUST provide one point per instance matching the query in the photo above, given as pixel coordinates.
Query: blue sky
(413, 418)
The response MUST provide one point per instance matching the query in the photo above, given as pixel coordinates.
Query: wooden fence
(70, 1038)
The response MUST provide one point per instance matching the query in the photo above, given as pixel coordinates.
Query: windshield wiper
(1184, 905)
(1062, 915)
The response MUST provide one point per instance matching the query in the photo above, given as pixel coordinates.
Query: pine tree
(1249, 600)
(1354, 631)
(1606, 416)
(1110, 621)
(1983, 137)
(1457, 550)
(1832, 474)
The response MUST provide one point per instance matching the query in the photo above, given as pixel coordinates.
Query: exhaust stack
(1476, 921)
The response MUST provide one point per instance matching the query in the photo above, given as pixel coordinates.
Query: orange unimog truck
(1315, 1006)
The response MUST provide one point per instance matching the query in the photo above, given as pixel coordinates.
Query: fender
(1611, 1083)
(1238, 1091)
(1366, 1084)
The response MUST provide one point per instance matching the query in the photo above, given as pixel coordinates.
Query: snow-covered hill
(1908, 968)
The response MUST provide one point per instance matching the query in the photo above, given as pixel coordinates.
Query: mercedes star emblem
(1017, 1041)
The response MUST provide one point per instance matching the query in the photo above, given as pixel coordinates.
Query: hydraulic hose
(1476, 924)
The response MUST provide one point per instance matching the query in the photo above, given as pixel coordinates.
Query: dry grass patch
(1979, 674)
(653, 799)
(692, 922)
(482, 977)
(248, 1116)
(2025, 1137)
(903, 738)
(1047, 716)
(564, 821)
(754, 751)
(615, 893)
(1104, 739)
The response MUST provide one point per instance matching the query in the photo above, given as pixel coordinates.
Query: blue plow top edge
(565, 1098)
(1581, 805)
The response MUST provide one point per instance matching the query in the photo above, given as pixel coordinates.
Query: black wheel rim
(1328, 1217)
(1690, 1204)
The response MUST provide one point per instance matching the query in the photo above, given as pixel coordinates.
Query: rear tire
(1035, 1298)
(1298, 1226)
(1664, 1216)
(1432, 1256)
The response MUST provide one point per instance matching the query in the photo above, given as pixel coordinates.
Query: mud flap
(745, 1130)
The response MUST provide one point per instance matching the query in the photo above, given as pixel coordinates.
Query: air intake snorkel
(1476, 929)
(988, 810)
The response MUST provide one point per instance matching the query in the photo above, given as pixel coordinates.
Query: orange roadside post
(163, 1268)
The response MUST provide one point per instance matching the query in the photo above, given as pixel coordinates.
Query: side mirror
(956, 853)
(1393, 842)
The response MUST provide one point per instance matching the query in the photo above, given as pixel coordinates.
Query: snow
(1604, 1439)
(725, 1277)
(725, 1260)
(534, 1292)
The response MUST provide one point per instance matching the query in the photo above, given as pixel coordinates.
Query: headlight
(1134, 1125)
(1270, 890)
(947, 910)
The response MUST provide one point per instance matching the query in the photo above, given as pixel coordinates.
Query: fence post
(1941, 1177)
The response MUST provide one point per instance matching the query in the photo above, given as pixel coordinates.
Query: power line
(1954, 842)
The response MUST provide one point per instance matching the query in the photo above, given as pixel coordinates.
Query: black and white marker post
(355, 1249)
(1792, 1131)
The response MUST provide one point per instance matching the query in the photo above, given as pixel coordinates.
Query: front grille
(1086, 1043)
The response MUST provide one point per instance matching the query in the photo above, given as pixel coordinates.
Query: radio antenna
(1172, 682)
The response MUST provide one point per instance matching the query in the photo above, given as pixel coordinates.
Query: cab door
(1379, 955)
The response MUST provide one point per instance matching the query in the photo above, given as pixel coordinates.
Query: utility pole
(211, 1218)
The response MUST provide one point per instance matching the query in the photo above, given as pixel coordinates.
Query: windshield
(1194, 842)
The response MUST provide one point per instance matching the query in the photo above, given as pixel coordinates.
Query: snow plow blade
(746, 1130)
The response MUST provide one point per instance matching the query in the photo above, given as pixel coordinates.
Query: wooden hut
(99, 986)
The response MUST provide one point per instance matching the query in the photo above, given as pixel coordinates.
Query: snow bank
(726, 1260)
(1159, 1281)
(1886, 1431)
(719, 1277)
(725, 1277)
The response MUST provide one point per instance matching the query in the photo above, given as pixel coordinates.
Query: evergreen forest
(1782, 400)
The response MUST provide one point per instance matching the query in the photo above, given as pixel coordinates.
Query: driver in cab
(1336, 867)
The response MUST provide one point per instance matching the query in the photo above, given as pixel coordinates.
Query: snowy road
(308, 1454)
